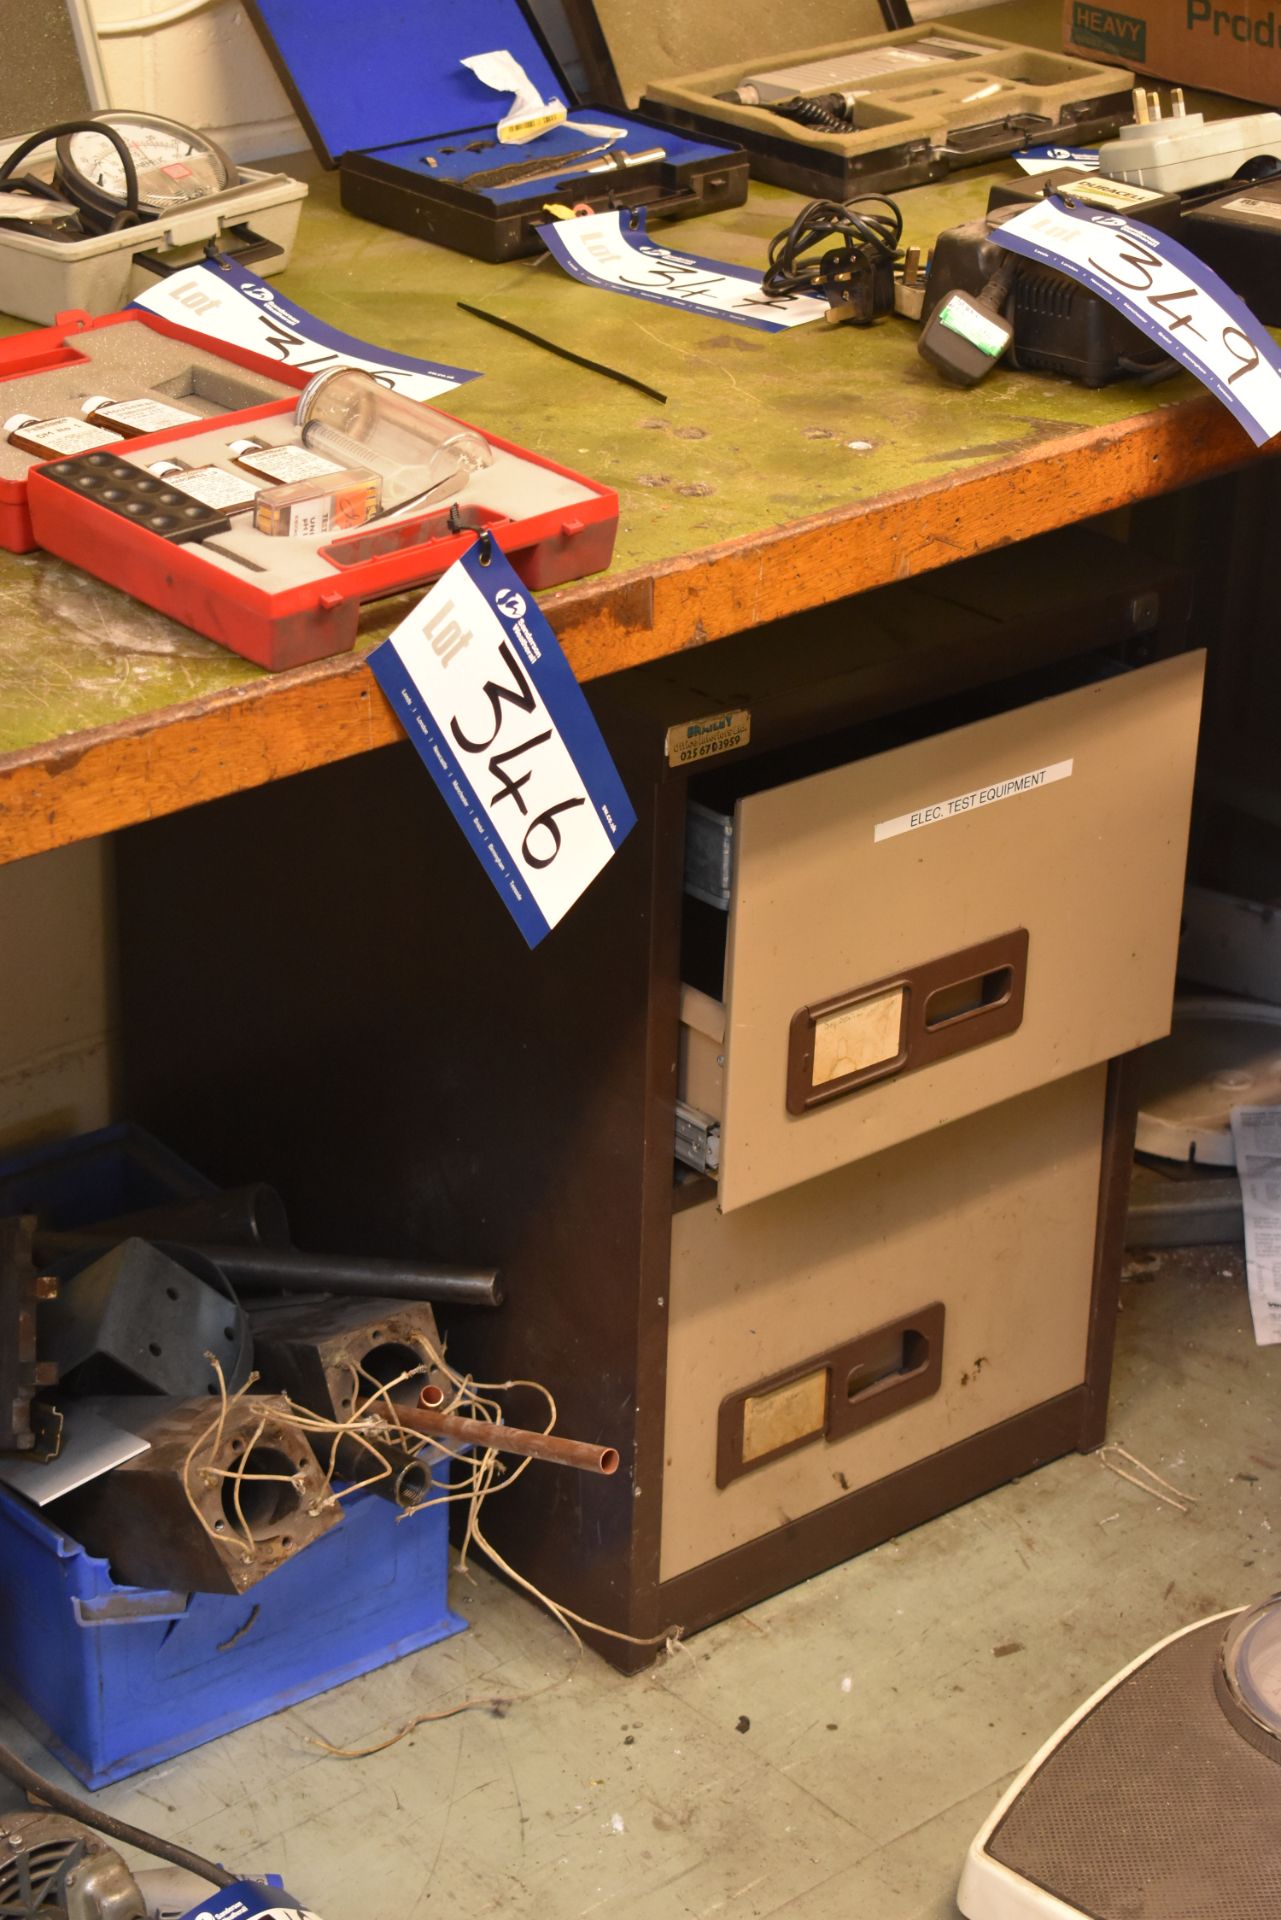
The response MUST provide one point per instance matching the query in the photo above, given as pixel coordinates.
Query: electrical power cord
(823, 112)
(845, 251)
(130, 215)
(17, 1770)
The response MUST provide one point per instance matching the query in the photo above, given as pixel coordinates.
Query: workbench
(780, 473)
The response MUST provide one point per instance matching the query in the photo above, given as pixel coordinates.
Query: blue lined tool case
(385, 98)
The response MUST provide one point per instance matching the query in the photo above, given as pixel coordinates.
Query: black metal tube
(232, 1216)
(285, 1270)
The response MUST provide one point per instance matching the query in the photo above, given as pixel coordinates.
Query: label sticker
(1169, 295)
(479, 683)
(250, 1900)
(229, 303)
(1261, 209)
(961, 316)
(614, 251)
(1112, 195)
(714, 733)
(936, 810)
(1046, 159)
(1256, 1136)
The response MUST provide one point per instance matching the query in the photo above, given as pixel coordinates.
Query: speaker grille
(1154, 1807)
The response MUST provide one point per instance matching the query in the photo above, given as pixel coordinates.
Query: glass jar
(347, 415)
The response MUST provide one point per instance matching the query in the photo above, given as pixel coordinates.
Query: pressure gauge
(174, 164)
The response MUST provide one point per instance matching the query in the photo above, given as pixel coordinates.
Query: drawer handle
(831, 1395)
(907, 1021)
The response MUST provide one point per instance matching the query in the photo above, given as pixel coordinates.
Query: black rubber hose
(33, 1783)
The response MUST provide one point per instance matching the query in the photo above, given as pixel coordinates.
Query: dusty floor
(827, 1756)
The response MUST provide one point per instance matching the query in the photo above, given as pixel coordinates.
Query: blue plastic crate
(94, 1176)
(113, 1679)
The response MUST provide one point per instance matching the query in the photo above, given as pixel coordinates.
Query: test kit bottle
(61, 433)
(306, 508)
(417, 452)
(212, 486)
(131, 417)
(281, 464)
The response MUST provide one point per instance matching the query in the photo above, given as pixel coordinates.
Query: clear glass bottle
(419, 454)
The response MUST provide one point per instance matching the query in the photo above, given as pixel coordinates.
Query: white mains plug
(1186, 149)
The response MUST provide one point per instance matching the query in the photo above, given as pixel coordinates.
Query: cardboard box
(1234, 48)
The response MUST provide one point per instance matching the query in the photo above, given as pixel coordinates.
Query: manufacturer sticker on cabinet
(714, 733)
(936, 810)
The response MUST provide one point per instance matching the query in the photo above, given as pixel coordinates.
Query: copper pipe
(488, 1433)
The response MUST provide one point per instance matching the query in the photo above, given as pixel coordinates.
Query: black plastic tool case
(931, 98)
(384, 97)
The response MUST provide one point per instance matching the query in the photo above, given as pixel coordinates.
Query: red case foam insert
(47, 348)
(288, 627)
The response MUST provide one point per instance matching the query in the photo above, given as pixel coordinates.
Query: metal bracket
(698, 1139)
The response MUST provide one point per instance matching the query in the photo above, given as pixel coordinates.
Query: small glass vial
(60, 434)
(131, 417)
(307, 508)
(419, 453)
(281, 464)
(212, 486)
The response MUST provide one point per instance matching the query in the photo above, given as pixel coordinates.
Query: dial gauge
(174, 164)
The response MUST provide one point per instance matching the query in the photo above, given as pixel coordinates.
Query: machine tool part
(51, 1868)
(263, 1269)
(486, 1433)
(239, 1216)
(35, 1786)
(135, 1318)
(334, 1359)
(26, 1427)
(213, 1506)
(136, 495)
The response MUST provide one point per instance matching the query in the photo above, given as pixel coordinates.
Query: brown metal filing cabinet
(803, 1142)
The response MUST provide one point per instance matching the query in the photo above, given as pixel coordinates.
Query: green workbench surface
(757, 429)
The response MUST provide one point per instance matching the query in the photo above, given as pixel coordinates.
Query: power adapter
(1058, 326)
(1185, 149)
(967, 333)
(1234, 226)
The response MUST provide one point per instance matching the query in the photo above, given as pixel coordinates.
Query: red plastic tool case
(48, 348)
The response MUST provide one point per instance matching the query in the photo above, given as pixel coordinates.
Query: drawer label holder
(906, 1021)
(832, 1395)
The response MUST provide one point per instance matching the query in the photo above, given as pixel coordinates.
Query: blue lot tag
(251, 1900)
(1168, 294)
(479, 683)
(229, 303)
(614, 251)
(1044, 159)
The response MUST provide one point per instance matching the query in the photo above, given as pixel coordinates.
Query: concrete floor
(827, 1756)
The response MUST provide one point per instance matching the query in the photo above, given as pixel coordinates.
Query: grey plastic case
(55, 74)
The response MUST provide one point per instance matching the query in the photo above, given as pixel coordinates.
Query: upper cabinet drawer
(927, 931)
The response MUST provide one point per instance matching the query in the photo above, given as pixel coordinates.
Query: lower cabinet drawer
(829, 1336)
(924, 932)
